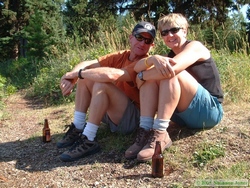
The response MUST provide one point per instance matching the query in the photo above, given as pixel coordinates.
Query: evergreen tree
(42, 22)
(248, 23)
(13, 17)
(45, 33)
(85, 18)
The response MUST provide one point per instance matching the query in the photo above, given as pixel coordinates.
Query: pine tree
(13, 17)
(45, 31)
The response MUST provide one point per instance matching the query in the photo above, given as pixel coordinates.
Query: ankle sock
(161, 124)
(90, 131)
(146, 122)
(79, 119)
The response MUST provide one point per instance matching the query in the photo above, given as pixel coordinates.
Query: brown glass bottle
(46, 131)
(157, 161)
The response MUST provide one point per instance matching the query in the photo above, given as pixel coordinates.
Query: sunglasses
(141, 38)
(173, 30)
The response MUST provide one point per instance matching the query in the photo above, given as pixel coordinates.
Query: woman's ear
(185, 32)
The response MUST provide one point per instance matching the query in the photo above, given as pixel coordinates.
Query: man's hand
(67, 83)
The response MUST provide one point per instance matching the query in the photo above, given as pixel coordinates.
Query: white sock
(161, 124)
(90, 131)
(146, 122)
(79, 119)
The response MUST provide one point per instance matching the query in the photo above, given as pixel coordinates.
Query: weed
(207, 152)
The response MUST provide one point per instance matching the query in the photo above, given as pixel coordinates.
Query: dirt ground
(25, 161)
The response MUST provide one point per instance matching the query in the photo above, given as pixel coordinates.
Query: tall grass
(230, 50)
(43, 76)
(234, 70)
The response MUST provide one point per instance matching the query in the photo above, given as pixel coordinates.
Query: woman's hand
(164, 66)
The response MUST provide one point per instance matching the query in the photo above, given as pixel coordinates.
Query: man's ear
(130, 37)
(152, 46)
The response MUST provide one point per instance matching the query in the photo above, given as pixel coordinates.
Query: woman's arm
(164, 67)
(191, 53)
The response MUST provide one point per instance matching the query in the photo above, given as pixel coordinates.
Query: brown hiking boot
(70, 137)
(148, 150)
(82, 148)
(140, 141)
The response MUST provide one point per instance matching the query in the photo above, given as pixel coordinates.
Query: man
(107, 88)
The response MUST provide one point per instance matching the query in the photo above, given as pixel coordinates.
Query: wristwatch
(140, 76)
(79, 74)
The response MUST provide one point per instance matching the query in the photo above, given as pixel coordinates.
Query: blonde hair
(173, 20)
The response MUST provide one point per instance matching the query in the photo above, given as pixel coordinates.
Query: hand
(67, 83)
(163, 66)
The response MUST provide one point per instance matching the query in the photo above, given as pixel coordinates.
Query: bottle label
(46, 136)
(157, 167)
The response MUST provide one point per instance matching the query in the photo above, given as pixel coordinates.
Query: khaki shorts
(129, 122)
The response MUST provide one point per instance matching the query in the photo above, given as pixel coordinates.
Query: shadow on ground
(34, 155)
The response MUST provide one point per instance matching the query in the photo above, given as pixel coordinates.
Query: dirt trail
(27, 162)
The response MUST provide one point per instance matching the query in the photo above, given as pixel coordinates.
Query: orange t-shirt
(121, 60)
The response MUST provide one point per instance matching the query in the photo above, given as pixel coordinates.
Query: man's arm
(69, 79)
(104, 74)
(86, 65)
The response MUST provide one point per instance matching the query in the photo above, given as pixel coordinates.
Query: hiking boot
(148, 150)
(82, 148)
(140, 141)
(70, 137)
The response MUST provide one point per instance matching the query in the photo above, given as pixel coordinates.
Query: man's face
(141, 43)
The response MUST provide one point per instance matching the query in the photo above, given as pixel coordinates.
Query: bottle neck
(46, 124)
(158, 147)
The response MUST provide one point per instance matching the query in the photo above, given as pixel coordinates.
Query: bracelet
(146, 62)
(79, 74)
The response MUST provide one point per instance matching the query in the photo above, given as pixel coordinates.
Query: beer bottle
(46, 131)
(157, 161)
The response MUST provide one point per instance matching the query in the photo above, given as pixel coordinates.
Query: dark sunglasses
(172, 31)
(141, 38)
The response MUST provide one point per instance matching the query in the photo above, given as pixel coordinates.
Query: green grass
(207, 152)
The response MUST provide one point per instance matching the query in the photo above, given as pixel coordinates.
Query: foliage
(82, 19)
(2, 92)
(198, 12)
(13, 17)
(248, 23)
(235, 76)
(5, 90)
(45, 85)
(207, 152)
(42, 23)
(19, 73)
(44, 33)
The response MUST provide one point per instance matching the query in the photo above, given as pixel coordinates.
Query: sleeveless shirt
(207, 74)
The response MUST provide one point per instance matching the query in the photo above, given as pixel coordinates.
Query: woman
(182, 86)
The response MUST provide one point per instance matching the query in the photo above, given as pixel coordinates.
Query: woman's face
(174, 36)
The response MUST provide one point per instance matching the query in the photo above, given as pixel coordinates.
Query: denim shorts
(204, 111)
(129, 122)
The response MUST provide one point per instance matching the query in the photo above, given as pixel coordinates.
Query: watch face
(140, 76)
